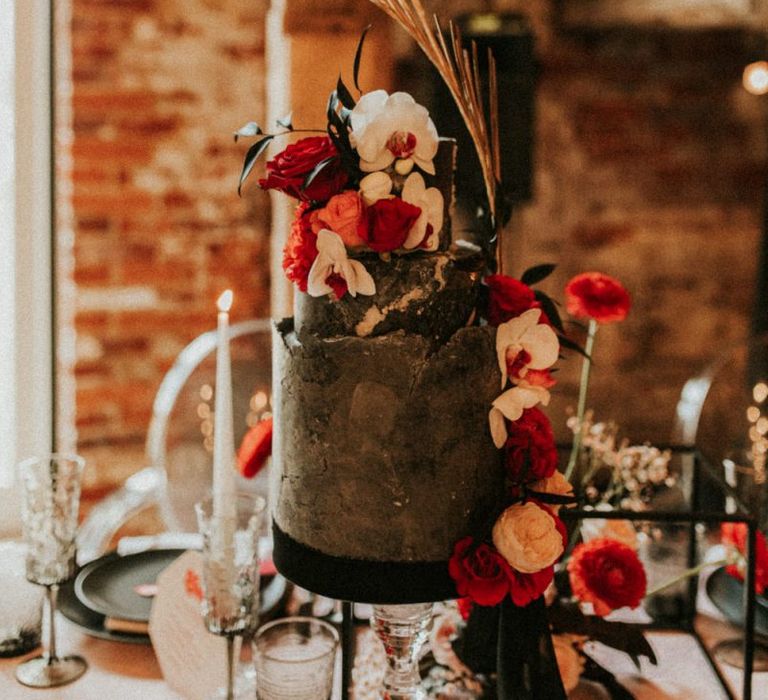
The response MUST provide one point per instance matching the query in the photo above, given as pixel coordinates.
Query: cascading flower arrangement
(360, 187)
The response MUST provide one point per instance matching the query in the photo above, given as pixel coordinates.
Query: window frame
(28, 294)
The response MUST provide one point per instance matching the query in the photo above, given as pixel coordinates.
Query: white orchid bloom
(430, 201)
(375, 186)
(510, 405)
(332, 259)
(525, 334)
(386, 127)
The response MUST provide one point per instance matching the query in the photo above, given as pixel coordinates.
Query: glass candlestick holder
(231, 572)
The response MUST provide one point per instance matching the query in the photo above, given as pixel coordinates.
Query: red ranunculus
(479, 571)
(735, 535)
(301, 248)
(593, 295)
(508, 298)
(384, 226)
(530, 450)
(608, 574)
(288, 170)
(255, 449)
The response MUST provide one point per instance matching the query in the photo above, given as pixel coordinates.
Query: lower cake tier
(383, 459)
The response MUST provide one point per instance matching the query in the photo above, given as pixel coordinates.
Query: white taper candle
(223, 430)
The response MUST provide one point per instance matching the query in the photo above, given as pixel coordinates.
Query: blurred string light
(755, 78)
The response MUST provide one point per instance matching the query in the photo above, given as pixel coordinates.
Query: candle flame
(225, 301)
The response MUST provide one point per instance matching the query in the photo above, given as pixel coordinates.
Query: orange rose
(341, 215)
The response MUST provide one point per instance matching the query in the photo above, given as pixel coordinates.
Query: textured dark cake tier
(429, 294)
(382, 448)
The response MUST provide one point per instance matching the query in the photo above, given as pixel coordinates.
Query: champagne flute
(50, 507)
(231, 572)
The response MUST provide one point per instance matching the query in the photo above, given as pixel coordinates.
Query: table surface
(120, 671)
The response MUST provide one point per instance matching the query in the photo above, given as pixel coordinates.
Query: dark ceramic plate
(90, 622)
(726, 592)
(109, 584)
(273, 591)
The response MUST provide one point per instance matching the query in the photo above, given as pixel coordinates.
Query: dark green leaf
(345, 97)
(316, 171)
(566, 342)
(595, 672)
(536, 274)
(253, 154)
(249, 129)
(358, 56)
(286, 122)
(550, 308)
(623, 636)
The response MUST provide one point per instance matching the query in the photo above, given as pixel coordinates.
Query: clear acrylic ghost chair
(178, 447)
(723, 412)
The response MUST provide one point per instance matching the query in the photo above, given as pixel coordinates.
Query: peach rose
(556, 484)
(527, 537)
(620, 530)
(341, 215)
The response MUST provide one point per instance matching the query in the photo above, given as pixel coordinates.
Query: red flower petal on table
(192, 585)
(384, 225)
(288, 170)
(608, 574)
(479, 571)
(301, 248)
(735, 535)
(530, 450)
(597, 296)
(255, 449)
(508, 298)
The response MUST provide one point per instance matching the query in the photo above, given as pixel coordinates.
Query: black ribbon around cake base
(361, 580)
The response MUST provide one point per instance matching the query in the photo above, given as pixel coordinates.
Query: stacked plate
(111, 597)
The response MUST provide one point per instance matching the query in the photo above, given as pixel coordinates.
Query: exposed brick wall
(159, 87)
(650, 161)
(651, 167)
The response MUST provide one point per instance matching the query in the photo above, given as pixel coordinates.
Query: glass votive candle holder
(295, 659)
(21, 603)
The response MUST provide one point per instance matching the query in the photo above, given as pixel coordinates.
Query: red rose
(735, 535)
(525, 588)
(608, 574)
(479, 571)
(530, 451)
(384, 225)
(301, 248)
(508, 298)
(464, 606)
(594, 295)
(288, 170)
(255, 449)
